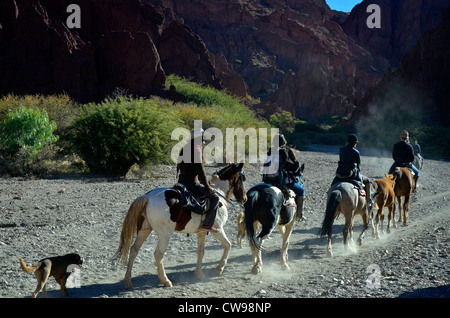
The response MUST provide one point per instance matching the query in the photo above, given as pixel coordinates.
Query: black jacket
(403, 154)
(349, 161)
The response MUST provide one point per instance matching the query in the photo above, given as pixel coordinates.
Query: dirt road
(41, 218)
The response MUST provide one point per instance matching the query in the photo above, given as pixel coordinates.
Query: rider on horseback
(403, 155)
(193, 176)
(288, 174)
(348, 166)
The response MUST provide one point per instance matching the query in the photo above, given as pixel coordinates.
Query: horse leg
(382, 217)
(286, 234)
(347, 228)
(256, 254)
(257, 261)
(406, 209)
(329, 250)
(374, 231)
(400, 208)
(226, 250)
(163, 242)
(377, 221)
(390, 217)
(201, 236)
(140, 239)
(365, 217)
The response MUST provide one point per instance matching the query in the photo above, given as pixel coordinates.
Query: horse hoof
(128, 284)
(256, 270)
(219, 271)
(285, 267)
(167, 283)
(329, 254)
(200, 276)
(360, 242)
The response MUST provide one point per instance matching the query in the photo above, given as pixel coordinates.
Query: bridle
(241, 178)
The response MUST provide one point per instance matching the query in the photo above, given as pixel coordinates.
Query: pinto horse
(265, 207)
(404, 186)
(161, 210)
(344, 198)
(385, 197)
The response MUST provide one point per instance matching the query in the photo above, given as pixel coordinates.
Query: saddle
(407, 167)
(197, 204)
(289, 206)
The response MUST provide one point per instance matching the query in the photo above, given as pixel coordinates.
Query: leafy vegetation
(24, 132)
(53, 134)
(328, 130)
(118, 133)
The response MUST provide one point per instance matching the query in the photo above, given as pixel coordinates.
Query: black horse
(269, 207)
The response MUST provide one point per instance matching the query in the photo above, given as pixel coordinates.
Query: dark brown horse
(404, 186)
(385, 197)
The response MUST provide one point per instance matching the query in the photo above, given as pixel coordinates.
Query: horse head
(235, 176)
(390, 179)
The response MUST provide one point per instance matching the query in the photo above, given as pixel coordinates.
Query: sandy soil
(41, 218)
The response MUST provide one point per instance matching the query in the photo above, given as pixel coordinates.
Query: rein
(223, 197)
(241, 176)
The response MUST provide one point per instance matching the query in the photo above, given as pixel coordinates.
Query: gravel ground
(41, 218)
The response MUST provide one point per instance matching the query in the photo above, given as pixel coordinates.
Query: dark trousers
(201, 191)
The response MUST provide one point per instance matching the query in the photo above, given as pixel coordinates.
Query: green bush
(214, 107)
(26, 130)
(118, 133)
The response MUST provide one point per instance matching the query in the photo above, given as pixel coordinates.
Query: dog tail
(28, 269)
(130, 227)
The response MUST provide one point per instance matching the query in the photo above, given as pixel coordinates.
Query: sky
(342, 5)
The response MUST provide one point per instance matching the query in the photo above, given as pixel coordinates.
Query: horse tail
(335, 198)
(249, 210)
(398, 175)
(130, 227)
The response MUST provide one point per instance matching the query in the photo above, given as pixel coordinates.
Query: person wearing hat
(288, 173)
(348, 169)
(193, 176)
(403, 155)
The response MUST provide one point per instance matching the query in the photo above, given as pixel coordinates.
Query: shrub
(60, 108)
(118, 133)
(27, 129)
(215, 107)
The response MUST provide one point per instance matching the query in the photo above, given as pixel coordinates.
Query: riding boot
(416, 177)
(300, 200)
(211, 213)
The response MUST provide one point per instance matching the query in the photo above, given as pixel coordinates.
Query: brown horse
(385, 197)
(404, 186)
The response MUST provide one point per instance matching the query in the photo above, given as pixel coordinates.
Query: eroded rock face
(296, 55)
(403, 23)
(292, 54)
(127, 44)
(40, 54)
(420, 82)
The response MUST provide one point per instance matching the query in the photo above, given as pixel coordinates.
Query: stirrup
(210, 228)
